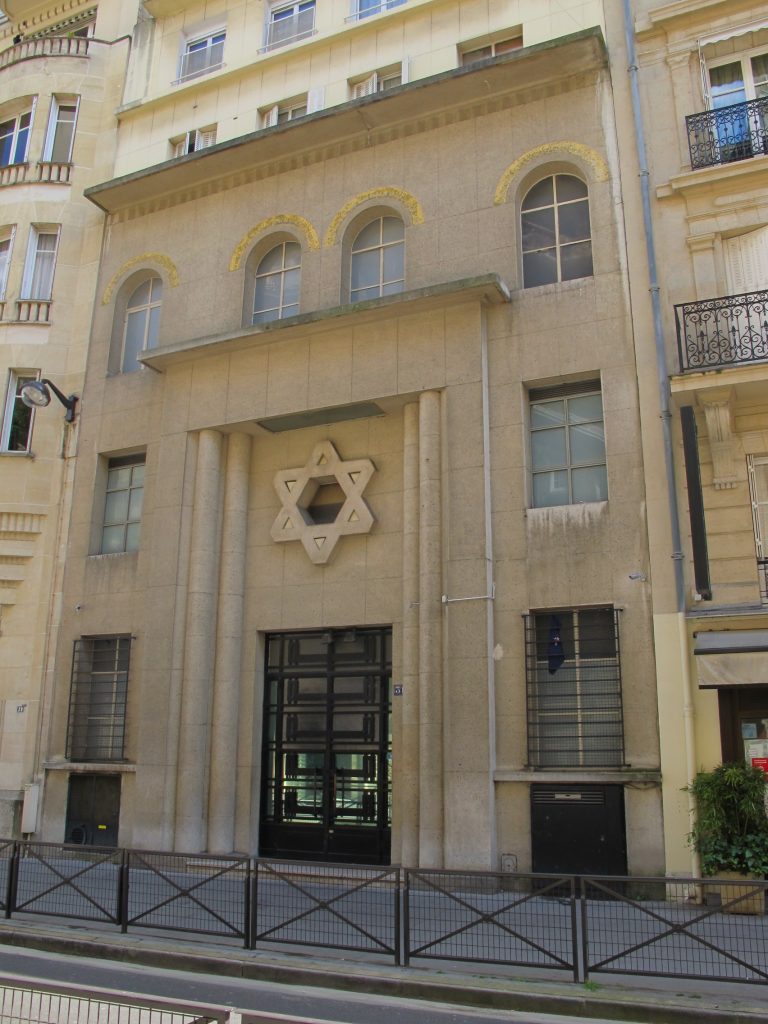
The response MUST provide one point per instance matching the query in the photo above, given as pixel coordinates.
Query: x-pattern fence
(575, 925)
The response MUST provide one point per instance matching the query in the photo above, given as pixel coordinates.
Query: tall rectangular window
(567, 445)
(6, 245)
(16, 435)
(122, 505)
(96, 727)
(61, 131)
(14, 139)
(202, 55)
(573, 678)
(37, 283)
(290, 22)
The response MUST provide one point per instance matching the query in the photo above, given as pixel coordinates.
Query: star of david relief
(309, 513)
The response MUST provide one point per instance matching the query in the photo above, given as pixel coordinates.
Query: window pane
(573, 221)
(393, 262)
(291, 287)
(134, 340)
(154, 327)
(550, 489)
(539, 268)
(589, 484)
(140, 297)
(585, 408)
(132, 536)
(542, 194)
(293, 249)
(548, 414)
(587, 443)
(568, 187)
(538, 229)
(392, 229)
(363, 294)
(548, 449)
(369, 236)
(576, 261)
(135, 503)
(116, 507)
(727, 85)
(267, 294)
(272, 261)
(366, 269)
(112, 540)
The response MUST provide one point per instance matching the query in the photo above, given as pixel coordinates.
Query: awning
(732, 657)
(732, 33)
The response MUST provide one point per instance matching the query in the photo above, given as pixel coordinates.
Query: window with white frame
(282, 112)
(122, 504)
(60, 136)
(37, 282)
(567, 445)
(277, 283)
(98, 697)
(573, 678)
(14, 139)
(6, 247)
(191, 142)
(473, 54)
(746, 261)
(142, 322)
(290, 22)
(736, 80)
(555, 231)
(380, 81)
(366, 8)
(202, 54)
(18, 419)
(377, 263)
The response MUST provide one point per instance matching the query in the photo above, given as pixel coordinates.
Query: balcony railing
(45, 171)
(49, 46)
(762, 578)
(14, 174)
(730, 133)
(201, 62)
(54, 172)
(33, 311)
(367, 8)
(723, 332)
(289, 30)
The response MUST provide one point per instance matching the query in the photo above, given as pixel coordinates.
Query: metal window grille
(96, 729)
(573, 678)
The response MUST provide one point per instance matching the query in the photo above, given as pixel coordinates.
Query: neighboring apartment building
(60, 80)
(704, 80)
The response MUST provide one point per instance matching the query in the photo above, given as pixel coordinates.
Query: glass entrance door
(327, 746)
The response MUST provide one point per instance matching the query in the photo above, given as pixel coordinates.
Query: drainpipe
(661, 368)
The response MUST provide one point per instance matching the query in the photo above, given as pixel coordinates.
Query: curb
(488, 993)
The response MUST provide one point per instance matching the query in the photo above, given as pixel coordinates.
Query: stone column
(407, 763)
(431, 823)
(229, 640)
(199, 647)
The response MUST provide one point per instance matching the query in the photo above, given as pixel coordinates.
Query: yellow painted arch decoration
(551, 149)
(313, 239)
(143, 258)
(409, 201)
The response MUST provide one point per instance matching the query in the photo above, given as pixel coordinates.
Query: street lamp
(35, 394)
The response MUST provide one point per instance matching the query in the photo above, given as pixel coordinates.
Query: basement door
(327, 751)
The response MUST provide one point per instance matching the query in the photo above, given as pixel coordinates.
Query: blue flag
(555, 653)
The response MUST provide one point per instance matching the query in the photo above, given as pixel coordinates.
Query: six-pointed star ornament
(297, 488)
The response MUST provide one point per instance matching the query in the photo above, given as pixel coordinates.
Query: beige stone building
(703, 71)
(359, 562)
(61, 74)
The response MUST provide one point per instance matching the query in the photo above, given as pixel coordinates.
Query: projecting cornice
(520, 76)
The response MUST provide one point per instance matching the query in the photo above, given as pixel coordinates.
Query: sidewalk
(651, 1000)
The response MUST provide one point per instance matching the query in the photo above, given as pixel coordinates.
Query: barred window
(96, 729)
(573, 677)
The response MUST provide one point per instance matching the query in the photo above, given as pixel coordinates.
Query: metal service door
(578, 830)
(327, 746)
(93, 810)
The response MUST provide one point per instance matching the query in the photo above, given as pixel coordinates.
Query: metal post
(10, 896)
(122, 896)
(406, 919)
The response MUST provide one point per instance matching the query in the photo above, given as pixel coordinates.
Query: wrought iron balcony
(730, 133)
(722, 332)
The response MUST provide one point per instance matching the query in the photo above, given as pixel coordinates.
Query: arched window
(555, 231)
(142, 322)
(277, 283)
(377, 265)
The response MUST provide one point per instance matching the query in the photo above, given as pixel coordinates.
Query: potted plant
(731, 831)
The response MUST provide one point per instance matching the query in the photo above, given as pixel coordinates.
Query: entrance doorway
(93, 810)
(327, 768)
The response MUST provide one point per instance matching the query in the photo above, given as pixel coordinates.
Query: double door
(326, 746)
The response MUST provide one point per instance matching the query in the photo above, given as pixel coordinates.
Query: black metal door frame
(326, 746)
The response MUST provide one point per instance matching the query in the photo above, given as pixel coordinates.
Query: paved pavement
(652, 1000)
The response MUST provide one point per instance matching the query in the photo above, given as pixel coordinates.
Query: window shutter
(705, 88)
(270, 117)
(180, 148)
(205, 138)
(405, 71)
(315, 100)
(746, 262)
(367, 87)
(757, 473)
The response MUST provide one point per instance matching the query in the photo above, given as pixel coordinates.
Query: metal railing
(48, 46)
(762, 578)
(283, 31)
(721, 332)
(367, 8)
(44, 1004)
(573, 924)
(722, 136)
(201, 62)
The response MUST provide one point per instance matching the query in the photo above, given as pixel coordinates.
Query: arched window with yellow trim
(555, 231)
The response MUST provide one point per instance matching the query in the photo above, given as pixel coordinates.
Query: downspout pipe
(666, 416)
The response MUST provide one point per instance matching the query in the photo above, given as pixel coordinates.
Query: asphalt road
(18, 968)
